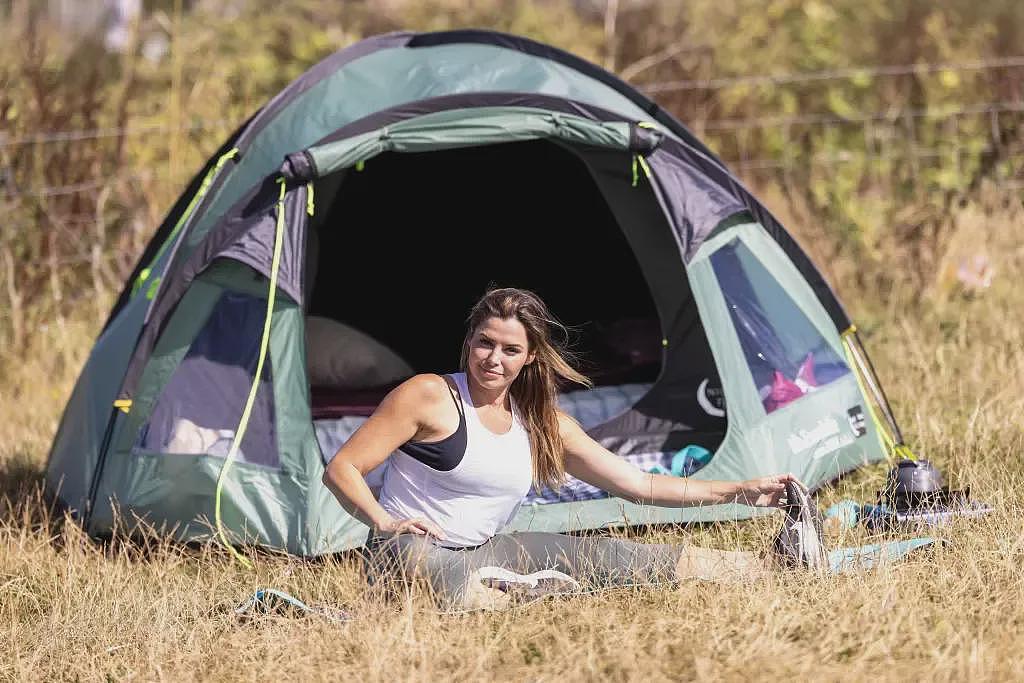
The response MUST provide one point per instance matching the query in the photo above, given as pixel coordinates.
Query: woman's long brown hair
(535, 390)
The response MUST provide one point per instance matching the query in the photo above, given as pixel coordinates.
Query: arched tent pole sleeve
(243, 423)
(174, 215)
(449, 129)
(186, 214)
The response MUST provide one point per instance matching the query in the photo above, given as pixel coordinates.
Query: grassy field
(952, 362)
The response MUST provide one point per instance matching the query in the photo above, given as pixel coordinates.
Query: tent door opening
(400, 250)
(520, 214)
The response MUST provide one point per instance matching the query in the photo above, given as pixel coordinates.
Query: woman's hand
(764, 492)
(417, 526)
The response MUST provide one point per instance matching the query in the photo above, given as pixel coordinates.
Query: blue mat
(845, 560)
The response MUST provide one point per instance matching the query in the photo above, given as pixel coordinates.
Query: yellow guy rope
(243, 424)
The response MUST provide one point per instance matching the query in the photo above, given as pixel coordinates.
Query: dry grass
(954, 367)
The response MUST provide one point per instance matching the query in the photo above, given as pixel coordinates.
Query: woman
(470, 446)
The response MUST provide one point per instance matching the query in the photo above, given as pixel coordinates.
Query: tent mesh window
(787, 355)
(200, 407)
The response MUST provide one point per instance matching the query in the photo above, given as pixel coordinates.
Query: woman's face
(498, 350)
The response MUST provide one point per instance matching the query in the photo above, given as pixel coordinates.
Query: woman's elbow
(333, 475)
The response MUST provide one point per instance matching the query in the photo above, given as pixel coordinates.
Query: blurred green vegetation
(863, 164)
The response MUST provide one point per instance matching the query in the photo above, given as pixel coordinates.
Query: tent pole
(97, 475)
(866, 367)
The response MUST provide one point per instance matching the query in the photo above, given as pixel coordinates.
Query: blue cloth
(685, 462)
(848, 512)
(867, 556)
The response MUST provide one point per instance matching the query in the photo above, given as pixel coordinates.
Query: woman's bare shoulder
(420, 393)
(568, 426)
(423, 402)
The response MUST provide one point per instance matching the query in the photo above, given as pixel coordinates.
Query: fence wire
(49, 191)
(55, 136)
(850, 73)
(890, 116)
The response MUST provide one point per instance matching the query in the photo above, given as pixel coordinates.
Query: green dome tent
(335, 243)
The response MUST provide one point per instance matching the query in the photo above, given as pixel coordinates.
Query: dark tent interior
(411, 241)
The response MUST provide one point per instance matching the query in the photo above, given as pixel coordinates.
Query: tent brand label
(857, 424)
(831, 444)
(808, 438)
(824, 437)
(711, 399)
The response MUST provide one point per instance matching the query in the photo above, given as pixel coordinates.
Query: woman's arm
(408, 410)
(587, 460)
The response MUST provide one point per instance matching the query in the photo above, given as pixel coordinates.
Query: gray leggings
(593, 560)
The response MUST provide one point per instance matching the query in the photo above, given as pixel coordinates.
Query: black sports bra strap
(455, 397)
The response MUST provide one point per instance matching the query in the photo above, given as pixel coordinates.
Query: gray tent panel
(255, 246)
(695, 203)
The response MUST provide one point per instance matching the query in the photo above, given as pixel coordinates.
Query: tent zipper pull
(309, 198)
(638, 160)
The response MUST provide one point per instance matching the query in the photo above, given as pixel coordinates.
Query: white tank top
(477, 497)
